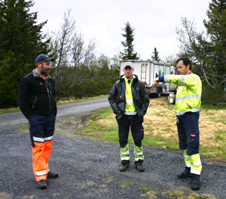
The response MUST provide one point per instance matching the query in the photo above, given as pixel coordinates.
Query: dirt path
(89, 169)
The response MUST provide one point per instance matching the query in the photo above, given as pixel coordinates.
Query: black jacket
(36, 95)
(117, 97)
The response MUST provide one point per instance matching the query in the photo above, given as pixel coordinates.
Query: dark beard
(43, 71)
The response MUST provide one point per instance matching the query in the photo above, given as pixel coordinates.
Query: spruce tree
(21, 40)
(128, 43)
(155, 56)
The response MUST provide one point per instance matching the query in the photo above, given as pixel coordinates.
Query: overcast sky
(155, 22)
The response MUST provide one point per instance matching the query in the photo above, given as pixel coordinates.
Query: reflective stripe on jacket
(129, 107)
(117, 97)
(188, 97)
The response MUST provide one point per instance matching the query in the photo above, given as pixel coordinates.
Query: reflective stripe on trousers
(41, 133)
(138, 153)
(41, 153)
(193, 162)
(124, 153)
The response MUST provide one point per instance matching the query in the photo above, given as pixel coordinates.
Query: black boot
(52, 175)
(41, 184)
(123, 167)
(139, 166)
(195, 184)
(184, 174)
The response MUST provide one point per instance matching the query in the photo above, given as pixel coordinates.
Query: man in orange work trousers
(37, 103)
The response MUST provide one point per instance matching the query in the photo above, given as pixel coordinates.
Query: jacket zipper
(34, 102)
(48, 96)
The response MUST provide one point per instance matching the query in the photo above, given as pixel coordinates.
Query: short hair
(185, 60)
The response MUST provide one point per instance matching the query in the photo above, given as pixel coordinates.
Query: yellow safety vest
(129, 107)
(188, 97)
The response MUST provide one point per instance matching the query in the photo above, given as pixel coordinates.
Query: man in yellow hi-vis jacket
(187, 104)
(129, 101)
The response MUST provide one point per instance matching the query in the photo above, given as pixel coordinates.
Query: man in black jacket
(129, 101)
(37, 103)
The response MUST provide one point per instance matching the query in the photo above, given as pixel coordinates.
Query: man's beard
(44, 71)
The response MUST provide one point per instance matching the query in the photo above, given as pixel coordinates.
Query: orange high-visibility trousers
(41, 132)
(41, 153)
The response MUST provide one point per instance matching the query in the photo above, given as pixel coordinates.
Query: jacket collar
(36, 74)
(135, 77)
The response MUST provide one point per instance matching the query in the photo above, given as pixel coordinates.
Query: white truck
(147, 71)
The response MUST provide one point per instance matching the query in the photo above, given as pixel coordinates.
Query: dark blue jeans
(188, 132)
(137, 129)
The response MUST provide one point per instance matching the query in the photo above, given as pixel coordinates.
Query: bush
(212, 96)
(87, 88)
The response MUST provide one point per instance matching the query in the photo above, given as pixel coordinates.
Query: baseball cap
(42, 57)
(130, 64)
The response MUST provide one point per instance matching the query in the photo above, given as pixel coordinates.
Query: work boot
(52, 175)
(41, 184)
(184, 174)
(195, 184)
(124, 167)
(139, 166)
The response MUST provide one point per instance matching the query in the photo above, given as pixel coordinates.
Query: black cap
(42, 57)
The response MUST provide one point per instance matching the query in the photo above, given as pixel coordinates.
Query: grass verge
(160, 127)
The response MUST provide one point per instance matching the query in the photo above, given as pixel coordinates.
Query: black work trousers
(137, 129)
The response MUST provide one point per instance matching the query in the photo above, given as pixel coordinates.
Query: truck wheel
(159, 92)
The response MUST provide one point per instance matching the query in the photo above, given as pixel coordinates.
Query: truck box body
(147, 71)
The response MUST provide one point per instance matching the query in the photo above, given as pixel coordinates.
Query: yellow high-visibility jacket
(188, 97)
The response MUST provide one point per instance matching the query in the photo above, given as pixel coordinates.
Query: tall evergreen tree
(155, 56)
(207, 51)
(128, 43)
(21, 41)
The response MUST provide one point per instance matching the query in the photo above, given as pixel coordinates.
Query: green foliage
(87, 81)
(20, 42)
(207, 51)
(128, 44)
(87, 88)
(211, 95)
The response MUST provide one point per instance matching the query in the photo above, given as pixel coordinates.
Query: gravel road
(89, 168)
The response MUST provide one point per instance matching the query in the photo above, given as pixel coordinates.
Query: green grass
(107, 129)
(9, 110)
(161, 142)
(110, 132)
(219, 149)
(213, 107)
